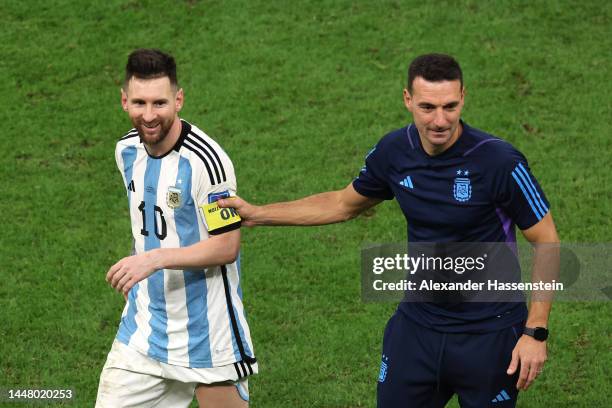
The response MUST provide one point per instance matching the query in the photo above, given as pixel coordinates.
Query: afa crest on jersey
(462, 189)
(173, 197)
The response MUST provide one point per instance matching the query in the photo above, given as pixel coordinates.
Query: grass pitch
(296, 94)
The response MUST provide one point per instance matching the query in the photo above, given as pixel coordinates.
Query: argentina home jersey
(475, 191)
(190, 318)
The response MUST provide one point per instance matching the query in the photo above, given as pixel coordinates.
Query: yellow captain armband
(219, 220)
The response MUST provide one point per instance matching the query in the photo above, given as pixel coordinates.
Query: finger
(112, 270)
(234, 202)
(117, 277)
(125, 296)
(513, 364)
(523, 376)
(129, 285)
(533, 372)
(122, 282)
(539, 369)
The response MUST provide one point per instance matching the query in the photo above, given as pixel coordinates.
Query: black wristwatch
(538, 333)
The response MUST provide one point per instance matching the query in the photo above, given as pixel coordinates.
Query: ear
(407, 99)
(180, 98)
(124, 100)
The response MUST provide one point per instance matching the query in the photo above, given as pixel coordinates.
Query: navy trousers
(423, 368)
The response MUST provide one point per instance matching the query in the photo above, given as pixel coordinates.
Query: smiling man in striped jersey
(183, 329)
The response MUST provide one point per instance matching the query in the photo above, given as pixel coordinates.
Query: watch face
(540, 333)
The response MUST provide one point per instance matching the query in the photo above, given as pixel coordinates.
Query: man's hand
(530, 354)
(130, 270)
(244, 209)
(317, 209)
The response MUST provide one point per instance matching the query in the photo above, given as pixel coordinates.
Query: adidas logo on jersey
(407, 182)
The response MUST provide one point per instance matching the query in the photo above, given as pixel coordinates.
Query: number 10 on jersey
(158, 220)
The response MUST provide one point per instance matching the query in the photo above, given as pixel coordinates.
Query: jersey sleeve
(119, 161)
(518, 192)
(218, 220)
(371, 181)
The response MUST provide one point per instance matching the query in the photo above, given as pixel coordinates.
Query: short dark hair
(148, 63)
(434, 68)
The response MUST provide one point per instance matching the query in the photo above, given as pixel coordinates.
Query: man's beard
(157, 137)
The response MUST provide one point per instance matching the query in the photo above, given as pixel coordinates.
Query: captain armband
(220, 220)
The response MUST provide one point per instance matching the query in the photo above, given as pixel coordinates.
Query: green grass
(296, 94)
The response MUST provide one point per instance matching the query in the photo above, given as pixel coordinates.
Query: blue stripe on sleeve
(525, 180)
(129, 157)
(520, 184)
(538, 197)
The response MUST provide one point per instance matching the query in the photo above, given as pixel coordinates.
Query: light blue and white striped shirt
(190, 318)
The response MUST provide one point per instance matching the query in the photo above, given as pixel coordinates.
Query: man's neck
(163, 147)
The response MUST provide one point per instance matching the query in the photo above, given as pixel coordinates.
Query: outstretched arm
(318, 209)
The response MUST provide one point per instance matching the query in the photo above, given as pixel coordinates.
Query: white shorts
(132, 379)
